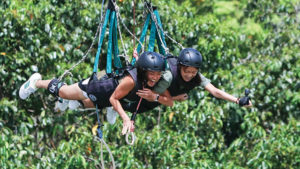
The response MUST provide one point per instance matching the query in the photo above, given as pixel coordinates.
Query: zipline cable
(118, 15)
(119, 29)
(158, 26)
(134, 23)
(109, 152)
(153, 16)
(90, 48)
(99, 138)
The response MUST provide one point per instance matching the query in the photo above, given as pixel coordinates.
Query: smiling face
(188, 73)
(152, 77)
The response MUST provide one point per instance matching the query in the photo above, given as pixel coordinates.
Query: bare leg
(70, 92)
(88, 103)
(42, 84)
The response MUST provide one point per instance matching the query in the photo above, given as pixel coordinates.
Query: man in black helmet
(184, 77)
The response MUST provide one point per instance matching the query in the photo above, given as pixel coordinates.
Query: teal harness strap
(142, 38)
(145, 28)
(112, 43)
(161, 49)
(152, 37)
(117, 61)
(101, 41)
(109, 50)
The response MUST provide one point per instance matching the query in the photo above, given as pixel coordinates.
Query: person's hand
(135, 54)
(132, 126)
(127, 126)
(181, 97)
(249, 105)
(245, 101)
(147, 94)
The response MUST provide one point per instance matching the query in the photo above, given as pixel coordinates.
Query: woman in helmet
(187, 66)
(107, 91)
(184, 77)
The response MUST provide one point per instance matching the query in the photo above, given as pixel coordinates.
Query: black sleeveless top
(178, 85)
(99, 91)
(131, 97)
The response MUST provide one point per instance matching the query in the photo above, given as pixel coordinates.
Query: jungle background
(245, 44)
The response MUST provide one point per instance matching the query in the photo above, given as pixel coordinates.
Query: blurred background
(245, 44)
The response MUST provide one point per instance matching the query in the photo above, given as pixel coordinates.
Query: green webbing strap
(152, 37)
(117, 61)
(161, 49)
(109, 50)
(142, 38)
(101, 40)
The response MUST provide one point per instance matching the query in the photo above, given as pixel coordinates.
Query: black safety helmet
(190, 57)
(151, 61)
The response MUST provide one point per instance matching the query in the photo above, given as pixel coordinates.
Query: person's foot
(73, 104)
(111, 115)
(29, 86)
(62, 104)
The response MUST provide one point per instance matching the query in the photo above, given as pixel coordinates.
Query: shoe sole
(39, 77)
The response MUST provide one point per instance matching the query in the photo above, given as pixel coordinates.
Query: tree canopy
(245, 44)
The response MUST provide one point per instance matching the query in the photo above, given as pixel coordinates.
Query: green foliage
(245, 44)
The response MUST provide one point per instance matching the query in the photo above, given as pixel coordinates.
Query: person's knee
(63, 92)
(54, 87)
(88, 103)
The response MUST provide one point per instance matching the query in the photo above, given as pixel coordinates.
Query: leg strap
(54, 86)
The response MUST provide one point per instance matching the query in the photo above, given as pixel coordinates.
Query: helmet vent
(190, 57)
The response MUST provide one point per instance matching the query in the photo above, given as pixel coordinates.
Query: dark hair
(141, 74)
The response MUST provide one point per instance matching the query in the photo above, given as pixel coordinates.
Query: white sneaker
(29, 86)
(62, 104)
(73, 104)
(111, 115)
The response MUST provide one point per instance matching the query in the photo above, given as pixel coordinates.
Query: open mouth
(151, 82)
(187, 78)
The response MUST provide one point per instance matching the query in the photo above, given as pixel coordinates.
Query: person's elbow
(112, 100)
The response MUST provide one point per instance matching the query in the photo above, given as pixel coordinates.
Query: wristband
(237, 100)
(157, 97)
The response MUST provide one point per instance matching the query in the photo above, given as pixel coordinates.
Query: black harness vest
(131, 97)
(99, 91)
(178, 85)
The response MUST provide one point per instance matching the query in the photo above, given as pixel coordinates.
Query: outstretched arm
(222, 95)
(126, 85)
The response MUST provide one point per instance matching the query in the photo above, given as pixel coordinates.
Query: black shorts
(99, 91)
